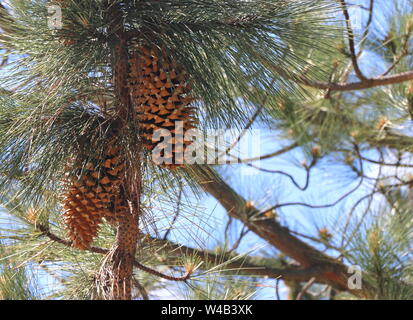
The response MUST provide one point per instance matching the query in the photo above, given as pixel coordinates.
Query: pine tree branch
(391, 139)
(360, 85)
(177, 211)
(140, 266)
(277, 235)
(246, 266)
(46, 232)
(340, 86)
(252, 266)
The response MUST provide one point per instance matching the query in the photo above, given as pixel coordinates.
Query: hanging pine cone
(160, 94)
(91, 191)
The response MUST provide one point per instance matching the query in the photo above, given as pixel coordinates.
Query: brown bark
(115, 277)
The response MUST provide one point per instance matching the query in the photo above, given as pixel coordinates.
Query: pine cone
(91, 191)
(160, 94)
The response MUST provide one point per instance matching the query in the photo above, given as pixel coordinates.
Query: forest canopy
(206, 149)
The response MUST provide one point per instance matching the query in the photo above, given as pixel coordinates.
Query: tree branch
(340, 86)
(275, 234)
(245, 266)
(360, 85)
(252, 266)
(45, 232)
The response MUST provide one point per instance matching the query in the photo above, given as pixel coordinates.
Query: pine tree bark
(116, 274)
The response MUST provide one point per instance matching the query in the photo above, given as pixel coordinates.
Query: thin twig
(277, 288)
(305, 288)
(350, 34)
(270, 155)
(243, 233)
(324, 206)
(249, 124)
(178, 210)
(138, 265)
(142, 267)
(343, 86)
(46, 232)
(141, 289)
(303, 188)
